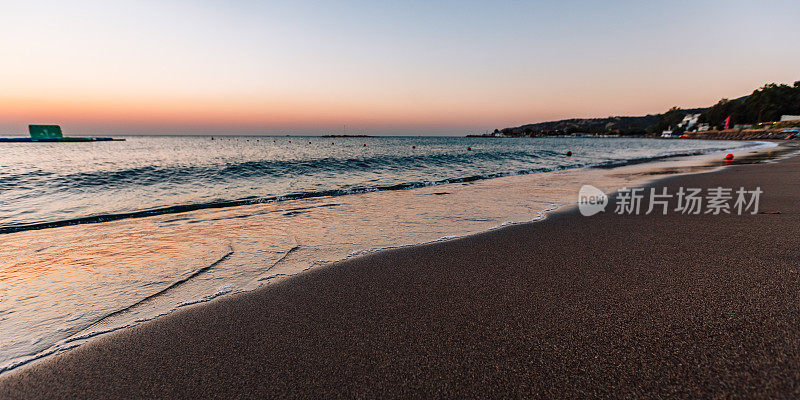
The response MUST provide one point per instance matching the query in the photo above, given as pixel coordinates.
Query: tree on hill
(765, 104)
(669, 119)
(771, 101)
(715, 116)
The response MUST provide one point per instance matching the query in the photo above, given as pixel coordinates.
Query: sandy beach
(603, 306)
(372, 199)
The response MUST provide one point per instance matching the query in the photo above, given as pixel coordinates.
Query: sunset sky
(380, 67)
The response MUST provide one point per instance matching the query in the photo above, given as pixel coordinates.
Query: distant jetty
(340, 136)
(52, 133)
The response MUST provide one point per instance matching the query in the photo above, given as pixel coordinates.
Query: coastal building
(689, 122)
(790, 118)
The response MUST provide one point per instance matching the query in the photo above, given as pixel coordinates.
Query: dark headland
(674, 306)
(770, 112)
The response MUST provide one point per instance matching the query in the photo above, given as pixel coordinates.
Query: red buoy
(569, 153)
(469, 148)
(729, 157)
(365, 145)
(413, 147)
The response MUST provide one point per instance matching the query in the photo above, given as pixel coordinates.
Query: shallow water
(59, 182)
(61, 286)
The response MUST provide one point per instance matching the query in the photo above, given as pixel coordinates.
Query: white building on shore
(689, 122)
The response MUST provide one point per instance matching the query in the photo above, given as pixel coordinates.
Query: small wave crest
(387, 172)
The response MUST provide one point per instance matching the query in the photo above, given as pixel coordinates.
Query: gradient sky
(380, 67)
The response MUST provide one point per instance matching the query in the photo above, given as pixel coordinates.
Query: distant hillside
(618, 125)
(766, 104)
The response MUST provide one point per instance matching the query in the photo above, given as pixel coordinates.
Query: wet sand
(606, 306)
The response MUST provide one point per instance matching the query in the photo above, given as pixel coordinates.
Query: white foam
(224, 289)
(74, 317)
(190, 302)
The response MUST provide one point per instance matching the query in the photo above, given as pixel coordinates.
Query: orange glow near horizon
(225, 112)
(480, 111)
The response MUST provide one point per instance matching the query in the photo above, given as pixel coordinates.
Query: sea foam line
(341, 192)
(70, 342)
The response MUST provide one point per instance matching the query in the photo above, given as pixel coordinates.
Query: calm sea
(56, 183)
(96, 237)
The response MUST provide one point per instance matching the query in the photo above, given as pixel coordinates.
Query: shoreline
(126, 340)
(183, 208)
(654, 170)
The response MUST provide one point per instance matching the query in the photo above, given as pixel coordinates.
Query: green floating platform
(52, 133)
(64, 139)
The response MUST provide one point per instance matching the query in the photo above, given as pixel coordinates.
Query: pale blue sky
(409, 67)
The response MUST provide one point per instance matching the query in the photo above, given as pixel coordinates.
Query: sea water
(96, 237)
